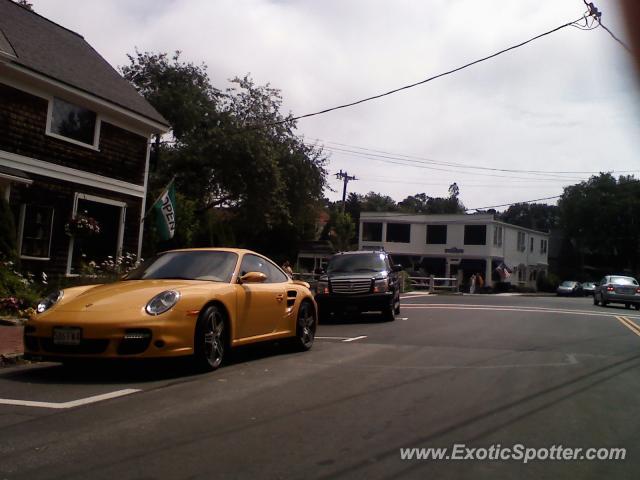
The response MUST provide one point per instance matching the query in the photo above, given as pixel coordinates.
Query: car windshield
(568, 284)
(213, 266)
(624, 281)
(373, 262)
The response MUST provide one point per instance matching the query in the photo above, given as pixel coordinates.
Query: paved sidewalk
(10, 341)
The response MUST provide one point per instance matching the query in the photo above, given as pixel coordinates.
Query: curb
(11, 359)
(12, 322)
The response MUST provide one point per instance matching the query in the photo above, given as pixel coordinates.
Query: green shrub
(18, 292)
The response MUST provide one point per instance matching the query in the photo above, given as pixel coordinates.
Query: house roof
(43, 46)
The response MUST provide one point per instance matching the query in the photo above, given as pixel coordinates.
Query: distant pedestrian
(286, 266)
(479, 282)
(472, 288)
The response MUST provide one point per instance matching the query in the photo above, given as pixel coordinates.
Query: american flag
(504, 271)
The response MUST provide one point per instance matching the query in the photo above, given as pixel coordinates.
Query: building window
(436, 234)
(522, 273)
(497, 235)
(72, 122)
(399, 232)
(531, 244)
(521, 242)
(543, 246)
(475, 234)
(371, 232)
(36, 223)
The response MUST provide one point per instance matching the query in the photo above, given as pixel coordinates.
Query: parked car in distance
(357, 282)
(588, 288)
(196, 302)
(570, 288)
(617, 289)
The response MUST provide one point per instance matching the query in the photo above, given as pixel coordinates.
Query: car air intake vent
(351, 286)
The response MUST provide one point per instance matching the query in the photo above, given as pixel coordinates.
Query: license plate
(67, 336)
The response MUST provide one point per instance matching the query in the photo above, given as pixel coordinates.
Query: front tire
(210, 340)
(396, 309)
(388, 314)
(306, 324)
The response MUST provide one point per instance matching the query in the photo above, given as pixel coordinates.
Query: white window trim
(60, 172)
(108, 201)
(23, 211)
(14, 69)
(96, 129)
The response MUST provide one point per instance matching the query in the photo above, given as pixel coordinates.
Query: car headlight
(162, 302)
(49, 301)
(322, 287)
(381, 285)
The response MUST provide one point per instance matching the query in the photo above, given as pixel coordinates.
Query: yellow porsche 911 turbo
(195, 302)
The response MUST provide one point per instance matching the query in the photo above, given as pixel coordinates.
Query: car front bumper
(151, 338)
(373, 302)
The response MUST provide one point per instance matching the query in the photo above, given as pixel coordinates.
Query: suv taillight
(610, 288)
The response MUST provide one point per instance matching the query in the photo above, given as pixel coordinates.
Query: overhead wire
(597, 15)
(415, 84)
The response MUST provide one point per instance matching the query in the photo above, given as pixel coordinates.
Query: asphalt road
(474, 370)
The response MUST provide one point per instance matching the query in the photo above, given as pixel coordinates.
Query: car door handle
(279, 297)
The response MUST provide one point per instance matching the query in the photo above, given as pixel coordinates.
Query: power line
(421, 82)
(421, 164)
(462, 165)
(595, 13)
(513, 203)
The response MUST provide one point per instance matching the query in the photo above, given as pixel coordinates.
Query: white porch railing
(432, 283)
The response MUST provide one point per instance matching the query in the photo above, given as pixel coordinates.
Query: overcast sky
(567, 102)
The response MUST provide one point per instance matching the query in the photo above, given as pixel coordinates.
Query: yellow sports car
(197, 302)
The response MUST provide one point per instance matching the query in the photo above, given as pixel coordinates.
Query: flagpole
(158, 198)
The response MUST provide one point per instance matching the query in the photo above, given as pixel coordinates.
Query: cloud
(565, 102)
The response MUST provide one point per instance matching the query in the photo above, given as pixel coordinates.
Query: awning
(14, 175)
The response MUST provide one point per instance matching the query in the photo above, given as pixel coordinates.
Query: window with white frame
(543, 246)
(36, 224)
(497, 235)
(521, 242)
(72, 122)
(522, 273)
(531, 244)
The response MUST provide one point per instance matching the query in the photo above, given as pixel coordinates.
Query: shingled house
(74, 140)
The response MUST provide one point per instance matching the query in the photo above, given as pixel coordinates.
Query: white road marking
(427, 306)
(72, 403)
(355, 338)
(342, 339)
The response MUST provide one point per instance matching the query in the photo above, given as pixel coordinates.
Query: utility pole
(344, 176)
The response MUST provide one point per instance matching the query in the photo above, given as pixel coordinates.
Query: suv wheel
(396, 307)
(388, 314)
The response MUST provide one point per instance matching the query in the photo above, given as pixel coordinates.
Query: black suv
(356, 282)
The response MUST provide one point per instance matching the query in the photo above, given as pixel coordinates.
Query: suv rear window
(624, 281)
(373, 262)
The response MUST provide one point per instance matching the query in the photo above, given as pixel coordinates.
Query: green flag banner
(165, 208)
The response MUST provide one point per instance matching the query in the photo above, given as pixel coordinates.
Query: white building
(458, 245)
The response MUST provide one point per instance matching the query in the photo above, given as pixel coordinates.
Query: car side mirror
(253, 277)
(397, 268)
